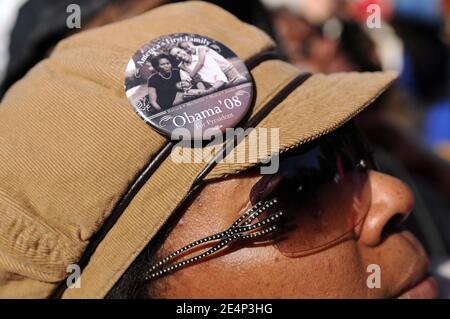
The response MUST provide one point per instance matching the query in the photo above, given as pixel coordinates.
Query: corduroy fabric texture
(70, 146)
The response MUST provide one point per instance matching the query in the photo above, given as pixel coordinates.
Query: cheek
(397, 258)
(263, 272)
(333, 273)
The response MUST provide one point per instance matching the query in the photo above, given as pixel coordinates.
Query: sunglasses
(317, 199)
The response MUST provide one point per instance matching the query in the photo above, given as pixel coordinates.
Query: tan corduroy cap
(84, 180)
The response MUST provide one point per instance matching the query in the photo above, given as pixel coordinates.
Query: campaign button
(188, 86)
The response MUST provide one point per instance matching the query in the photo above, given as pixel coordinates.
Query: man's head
(161, 63)
(341, 218)
(180, 54)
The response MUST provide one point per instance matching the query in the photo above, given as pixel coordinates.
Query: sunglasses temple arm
(154, 272)
(206, 239)
(264, 222)
(232, 233)
(188, 246)
(263, 208)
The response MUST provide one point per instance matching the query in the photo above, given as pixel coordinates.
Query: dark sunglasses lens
(324, 194)
(328, 214)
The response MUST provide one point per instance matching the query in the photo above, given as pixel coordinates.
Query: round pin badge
(188, 86)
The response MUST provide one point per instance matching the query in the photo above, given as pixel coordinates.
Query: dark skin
(261, 271)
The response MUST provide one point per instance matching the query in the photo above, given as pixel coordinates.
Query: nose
(392, 202)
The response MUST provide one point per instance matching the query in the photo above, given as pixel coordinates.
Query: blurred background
(409, 127)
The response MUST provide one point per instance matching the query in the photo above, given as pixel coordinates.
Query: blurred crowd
(409, 127)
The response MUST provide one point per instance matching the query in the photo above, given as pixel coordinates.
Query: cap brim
(318, 106)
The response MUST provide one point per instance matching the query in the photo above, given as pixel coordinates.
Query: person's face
(187, 46)
(164, 65)
(339, 271)
(308, 50)
(183, 85)
(180, 54)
